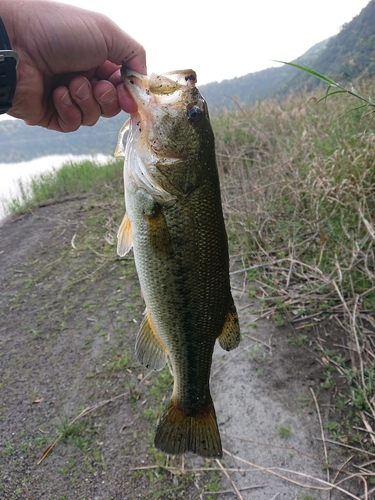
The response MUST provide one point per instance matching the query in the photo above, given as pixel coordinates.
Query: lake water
(11, 172)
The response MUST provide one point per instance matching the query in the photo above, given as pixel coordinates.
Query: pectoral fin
(230, 334)
(150, 350)
(120, 150)
(124, 237)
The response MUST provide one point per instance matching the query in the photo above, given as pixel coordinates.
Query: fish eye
(194, 113)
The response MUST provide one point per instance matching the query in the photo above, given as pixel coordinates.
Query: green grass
(120, 362)
(69, 180)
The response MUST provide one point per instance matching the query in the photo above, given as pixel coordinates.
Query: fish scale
(174, 223)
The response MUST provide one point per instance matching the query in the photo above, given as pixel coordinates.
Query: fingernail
(66, 98)
(107, 96)
(83, 92)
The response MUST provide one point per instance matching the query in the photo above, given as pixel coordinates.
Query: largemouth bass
(174, 223)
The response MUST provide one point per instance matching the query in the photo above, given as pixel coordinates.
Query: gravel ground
(70, 310)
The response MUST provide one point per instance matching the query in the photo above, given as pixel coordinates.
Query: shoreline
(12, 173)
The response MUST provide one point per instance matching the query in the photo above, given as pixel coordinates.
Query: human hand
(69, 69)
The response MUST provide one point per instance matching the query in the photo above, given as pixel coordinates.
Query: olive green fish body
(177, 232)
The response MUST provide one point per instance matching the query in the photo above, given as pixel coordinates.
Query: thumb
(122, 48)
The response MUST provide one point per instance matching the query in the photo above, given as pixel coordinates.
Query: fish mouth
(142, 87)
(131, 78)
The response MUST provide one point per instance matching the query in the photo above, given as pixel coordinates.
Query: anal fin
(124, 237)
(230, 335)
(150, 350)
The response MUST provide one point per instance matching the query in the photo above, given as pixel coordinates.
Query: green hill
(258, 86)
(344, 57)
(351, 53)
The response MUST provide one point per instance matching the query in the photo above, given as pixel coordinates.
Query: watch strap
(8, 77)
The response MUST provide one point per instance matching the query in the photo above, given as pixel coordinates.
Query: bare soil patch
(70, 310)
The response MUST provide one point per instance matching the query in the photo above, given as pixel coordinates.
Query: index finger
(125, 100)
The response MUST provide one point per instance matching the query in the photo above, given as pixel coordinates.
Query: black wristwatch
(8, 64)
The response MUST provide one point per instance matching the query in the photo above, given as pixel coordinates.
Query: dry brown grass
(298, 187)
(299, 194)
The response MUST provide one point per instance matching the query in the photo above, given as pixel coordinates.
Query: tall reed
(298, 188)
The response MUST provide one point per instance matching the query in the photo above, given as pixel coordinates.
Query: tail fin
(179, 433)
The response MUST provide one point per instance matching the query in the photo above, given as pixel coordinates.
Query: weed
(120, 363)
(40, 441)
(331, 425)
(299, 340)
(329, 381)
(150, 414)
(88, 343)
(253, 351)
(213, 484)
(162, 383)
(284, 431)
(306, 496)
(8, 449)
(32, 395)
(278, 319)
(70, 431)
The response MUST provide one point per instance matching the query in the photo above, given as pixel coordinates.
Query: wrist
(8, 63)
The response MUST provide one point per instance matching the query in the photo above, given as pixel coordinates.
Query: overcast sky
(222, 40)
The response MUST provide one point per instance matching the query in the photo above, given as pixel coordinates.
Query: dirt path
(70, 310)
